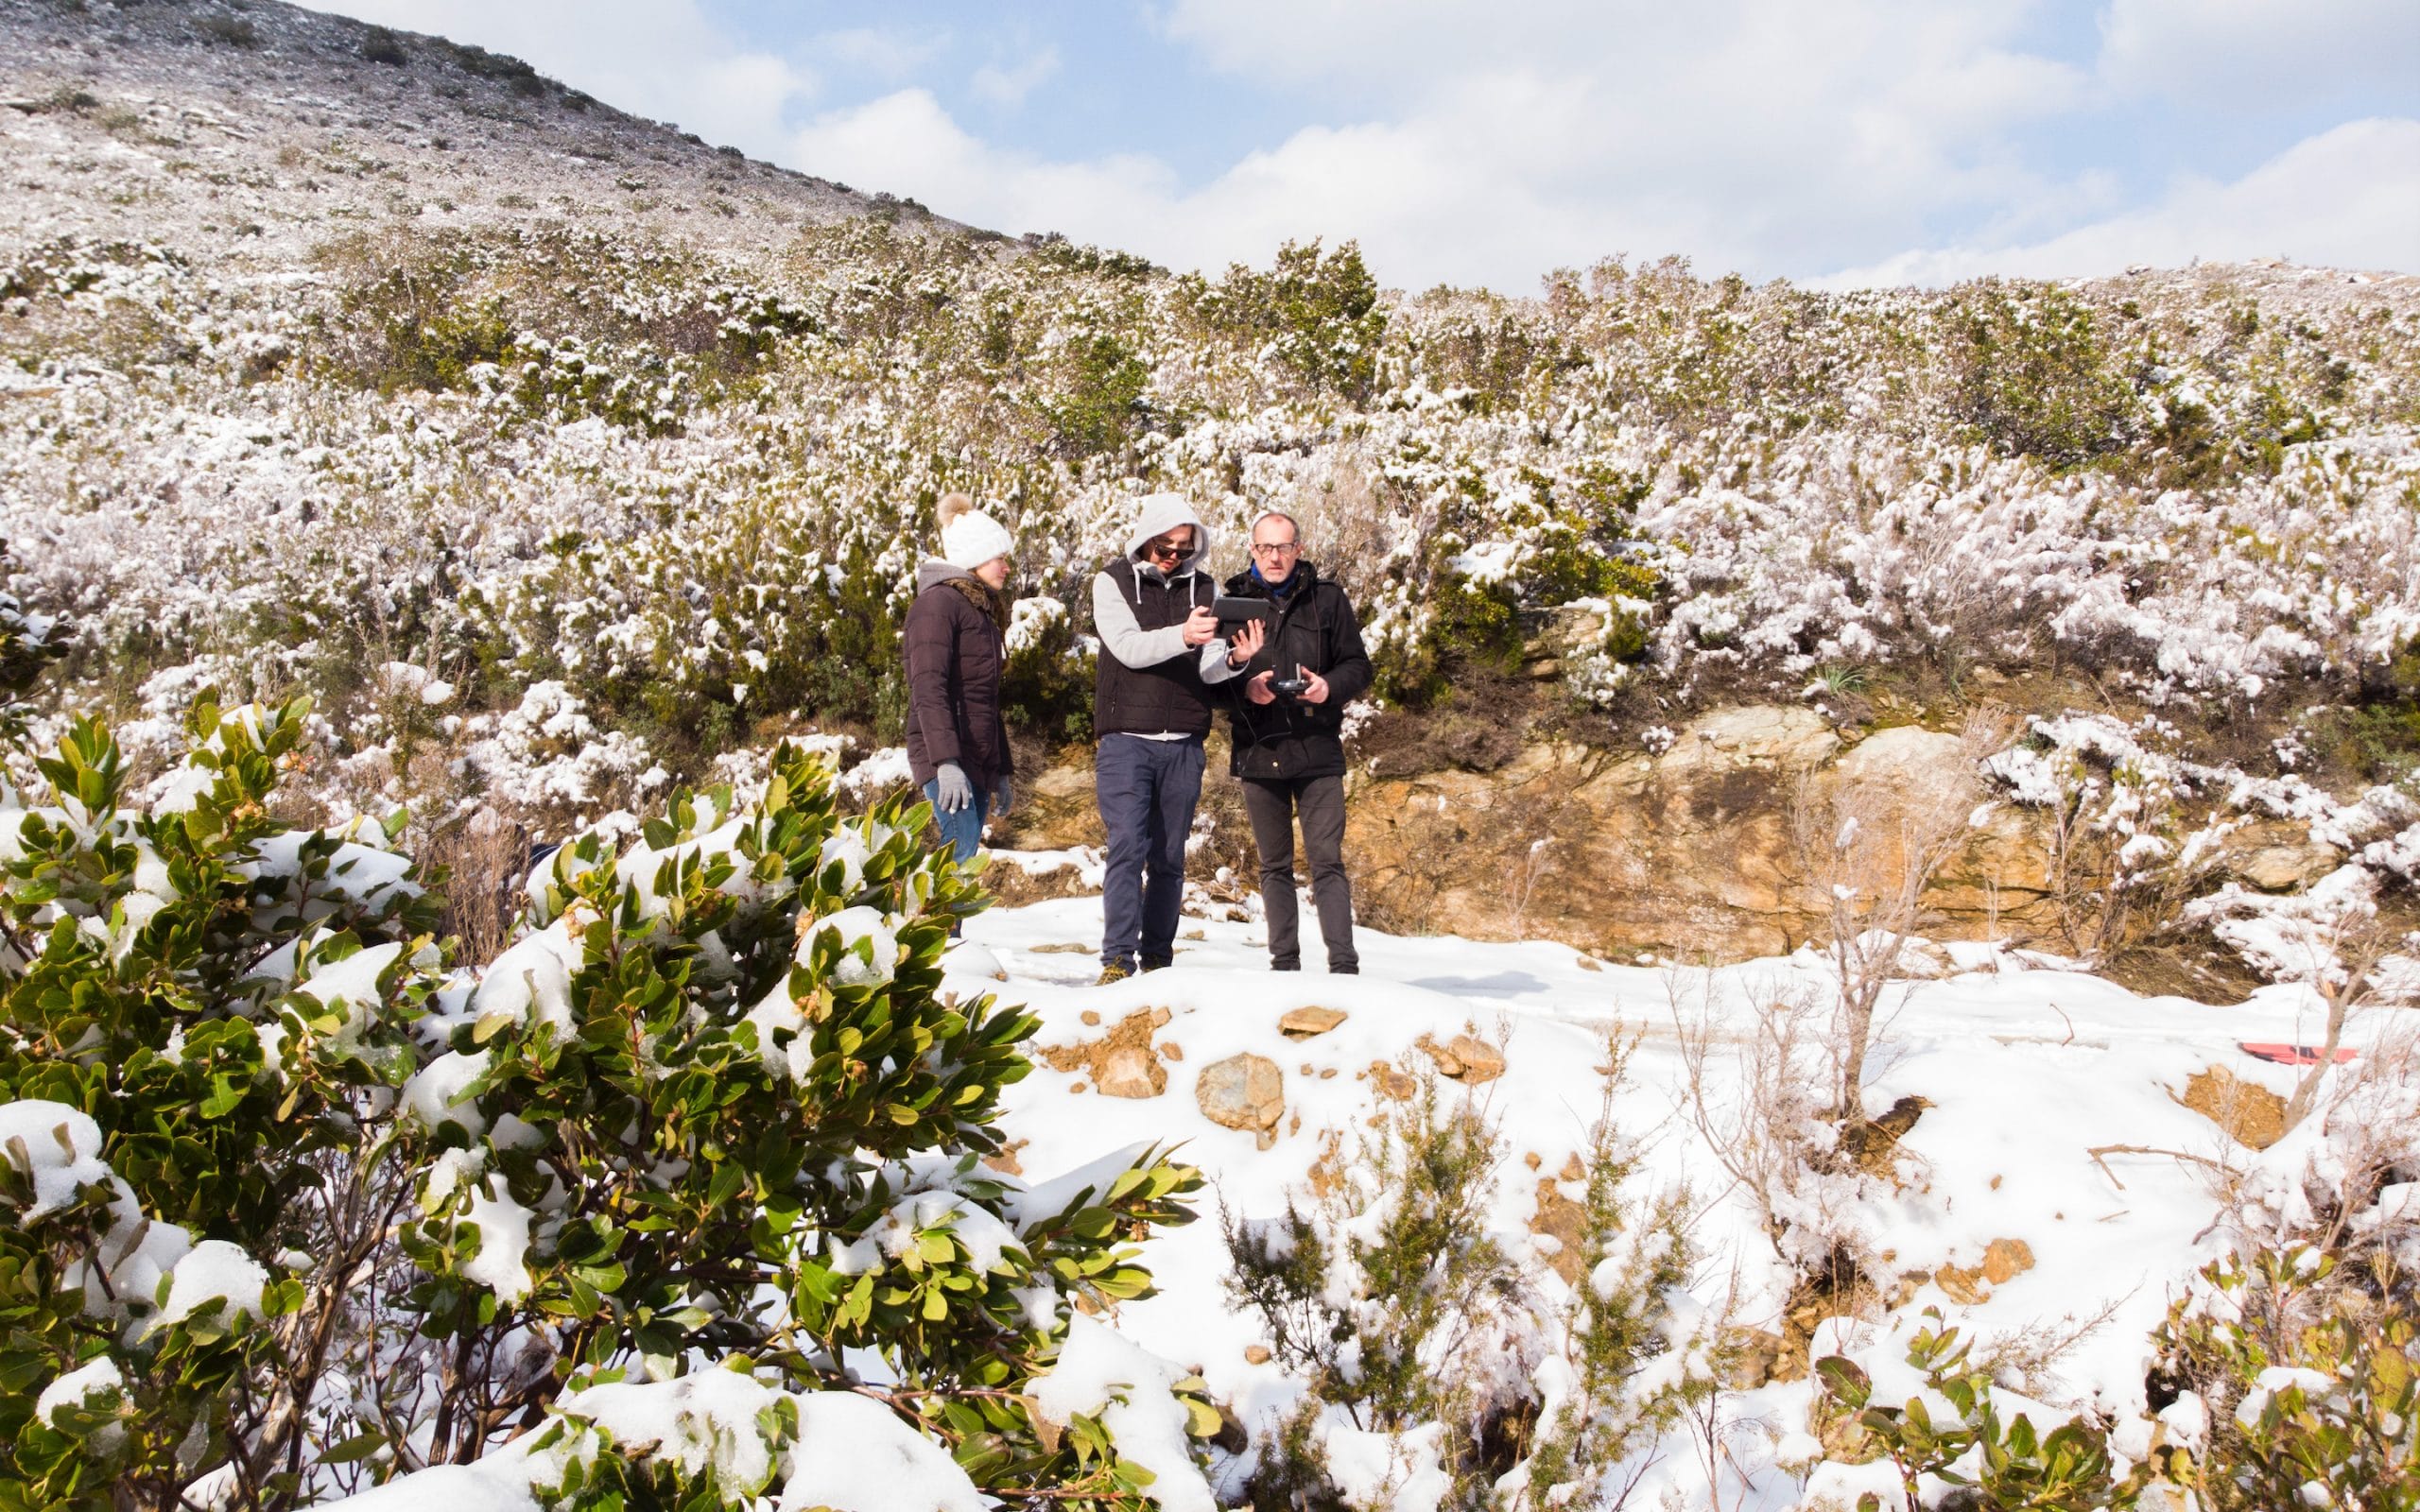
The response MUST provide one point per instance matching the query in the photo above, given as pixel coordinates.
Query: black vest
(1165, 697)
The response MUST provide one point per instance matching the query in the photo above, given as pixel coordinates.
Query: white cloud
(2262, 53)
(661, 58)
(1549, 135)
(1467, 143)
(1009, 84)
(880, 52)
(2347, 198)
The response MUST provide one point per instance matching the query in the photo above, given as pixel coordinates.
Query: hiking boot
(1113, 972)
(1159, 963)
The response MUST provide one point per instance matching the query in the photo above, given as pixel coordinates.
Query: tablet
(1230, 608)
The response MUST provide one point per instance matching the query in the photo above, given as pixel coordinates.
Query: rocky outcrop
(1713, 847)
(1706, 849)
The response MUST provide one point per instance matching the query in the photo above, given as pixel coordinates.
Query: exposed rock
(1566, 1223)
(1970, 1286)
(1256, 1354)
(1302, 1024)
(1961, 1284)
(1243, 1091)
(1389, 1080)
(1689, 855)
(1004, 1157)
(1123, 1062)
(1756, 1358)
(1480, 1060)
(2006, 1259)
(1131, 1071)
(1448, 1063)
(1172, 1050)
(2251, 1113)
(1092, 1020)
(2276, 856)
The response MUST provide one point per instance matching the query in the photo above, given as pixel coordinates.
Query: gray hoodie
(1120, 635)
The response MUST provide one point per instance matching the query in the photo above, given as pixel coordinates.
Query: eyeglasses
(1166, 547)
(1275, 548)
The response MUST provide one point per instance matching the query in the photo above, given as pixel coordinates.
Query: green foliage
(1389, 1297)
(163, 976)
(1634, 1258)
(1315, 314)
(1048, 683)
(1099, 403)
(2033, 376)
(713, 1109)
(2310, 1381)
(2018, 1469)
(28, 644)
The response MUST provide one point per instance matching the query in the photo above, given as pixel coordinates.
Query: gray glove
(952, 790)
(1002, 795)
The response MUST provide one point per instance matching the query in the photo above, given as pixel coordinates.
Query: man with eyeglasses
(1299, 673)
(1160, 650)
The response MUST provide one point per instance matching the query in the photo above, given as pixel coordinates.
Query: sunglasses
(1164, 547)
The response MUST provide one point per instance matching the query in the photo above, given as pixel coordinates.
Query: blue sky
(1851, 142)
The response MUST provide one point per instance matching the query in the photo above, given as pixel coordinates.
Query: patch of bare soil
(2193, 966)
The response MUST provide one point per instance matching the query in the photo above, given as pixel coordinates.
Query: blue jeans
(963, 829)
(1146, 790)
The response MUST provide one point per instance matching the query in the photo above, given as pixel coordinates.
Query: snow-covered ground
(2028, 1067)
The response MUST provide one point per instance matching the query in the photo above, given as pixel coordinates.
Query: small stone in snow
(1129, 1071)
(1092, 1020)
(1301, 1024)
(2006, 1259)
(1172, 1050)
(1243, 1091)
(1256, 1354)
(1480, 1060)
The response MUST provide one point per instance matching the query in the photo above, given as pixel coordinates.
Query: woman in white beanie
(958, 744)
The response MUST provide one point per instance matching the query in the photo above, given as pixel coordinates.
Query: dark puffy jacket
(1316, 631)
(954, 656)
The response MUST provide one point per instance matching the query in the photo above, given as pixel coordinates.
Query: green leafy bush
(2033, 376)
(286, 1208)
(2308, 1380)
(2007, 1466)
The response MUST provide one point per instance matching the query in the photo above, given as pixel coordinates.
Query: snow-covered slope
(2028, 1068)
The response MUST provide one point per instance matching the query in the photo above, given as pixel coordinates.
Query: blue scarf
(1279, 592)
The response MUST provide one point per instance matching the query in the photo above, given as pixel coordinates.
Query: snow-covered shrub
(2292, 1385)
(1453, 1364)
(205, 1023)
(29, 643)
(1951, 1432)
(285, 1210)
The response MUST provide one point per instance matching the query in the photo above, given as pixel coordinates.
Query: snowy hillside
(1992, 1208)
(424, 483)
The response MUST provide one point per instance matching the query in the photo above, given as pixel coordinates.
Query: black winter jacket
(1316, 631)
(956, 653)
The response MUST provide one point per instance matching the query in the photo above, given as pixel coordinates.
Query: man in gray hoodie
(1160, 647)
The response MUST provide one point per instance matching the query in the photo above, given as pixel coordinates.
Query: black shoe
(1344, 970)
(1284, 966)
(1158, 963)
(1113, 972)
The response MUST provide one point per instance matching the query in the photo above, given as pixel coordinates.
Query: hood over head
(1161, 513)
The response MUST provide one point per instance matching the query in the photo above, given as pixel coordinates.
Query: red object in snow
(2294, 1054)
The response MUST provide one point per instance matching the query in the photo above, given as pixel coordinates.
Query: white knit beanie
(970, 537)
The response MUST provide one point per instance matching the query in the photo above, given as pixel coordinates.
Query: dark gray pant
(1146, 790)
(1272, 807)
